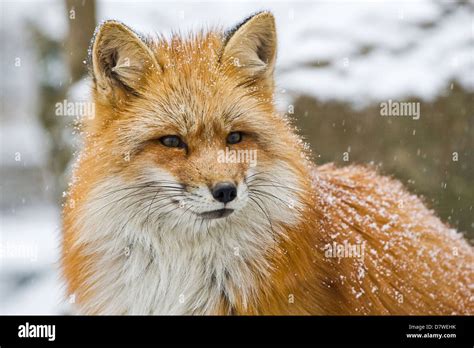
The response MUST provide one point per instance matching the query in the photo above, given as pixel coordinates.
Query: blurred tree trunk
(81, 18)
(67, 58)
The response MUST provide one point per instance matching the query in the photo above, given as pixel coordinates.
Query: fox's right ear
(251, 46)
(120, 60)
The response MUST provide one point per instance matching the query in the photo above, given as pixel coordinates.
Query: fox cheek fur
(156, 223)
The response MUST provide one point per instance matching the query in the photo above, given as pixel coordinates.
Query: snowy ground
(29, 281)
(357, 51)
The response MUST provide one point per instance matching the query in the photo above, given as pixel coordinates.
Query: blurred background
(337, 62)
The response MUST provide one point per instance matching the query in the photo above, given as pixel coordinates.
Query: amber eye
(172, 141)
(234, 138)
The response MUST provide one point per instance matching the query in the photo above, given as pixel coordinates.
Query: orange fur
(413, 263)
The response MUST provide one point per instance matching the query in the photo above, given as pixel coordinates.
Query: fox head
(186, 132)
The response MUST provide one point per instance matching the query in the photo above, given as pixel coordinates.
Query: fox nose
(224, 192)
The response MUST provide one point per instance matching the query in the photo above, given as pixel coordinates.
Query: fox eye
(172, 141)
(234, 138)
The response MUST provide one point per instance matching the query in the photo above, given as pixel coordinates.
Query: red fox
(192, 195)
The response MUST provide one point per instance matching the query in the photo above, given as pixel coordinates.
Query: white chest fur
(174, 269)
(137, 279)
(176, 265)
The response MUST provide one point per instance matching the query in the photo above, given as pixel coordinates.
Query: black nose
(224, 192)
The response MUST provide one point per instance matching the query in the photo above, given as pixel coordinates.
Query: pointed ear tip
(267, 15)
(264, 19)
(103, 28)
(109, 24)
(108, 27)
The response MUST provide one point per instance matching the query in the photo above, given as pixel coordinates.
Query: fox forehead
(193, 94)
(190, 55)
(193, 117)
(202, 84)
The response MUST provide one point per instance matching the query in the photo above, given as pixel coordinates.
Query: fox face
(188, 176)
(186, 128)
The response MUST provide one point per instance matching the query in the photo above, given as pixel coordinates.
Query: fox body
(155, 223)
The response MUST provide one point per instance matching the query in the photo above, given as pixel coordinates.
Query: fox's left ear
(120, 60)
(251, 46)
